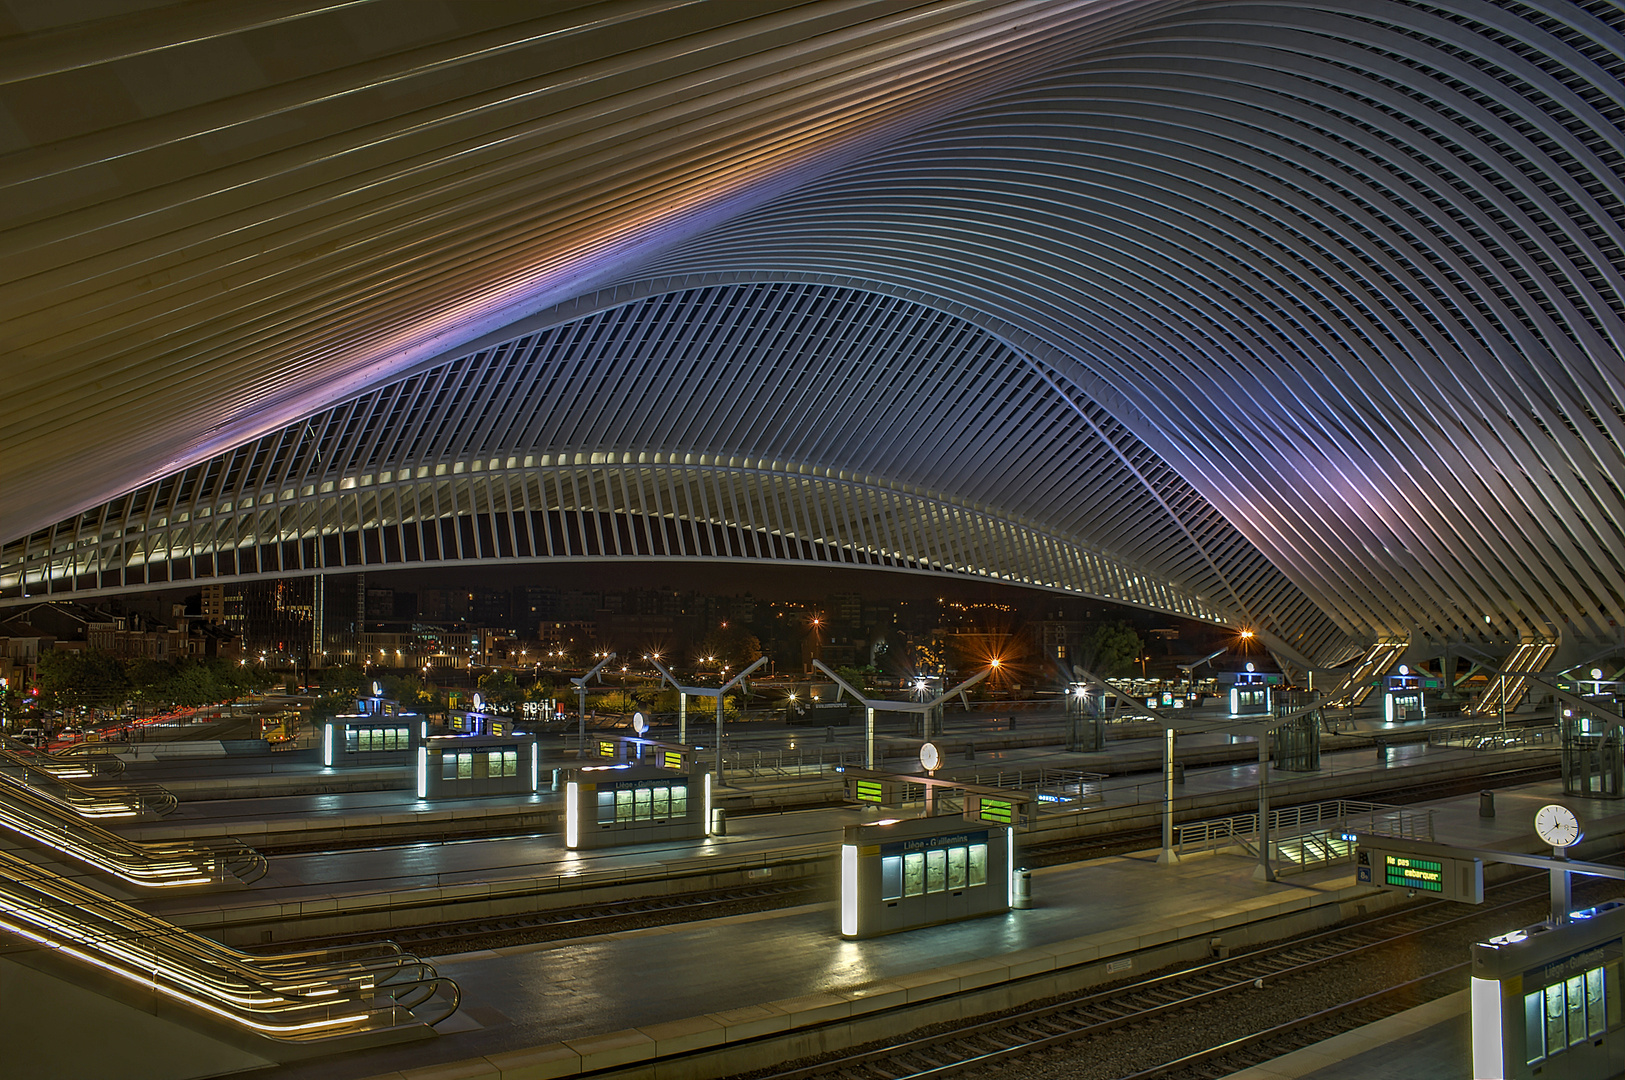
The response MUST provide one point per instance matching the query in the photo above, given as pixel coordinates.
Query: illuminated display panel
(998, 811)
(1409, 872)
(870, 791)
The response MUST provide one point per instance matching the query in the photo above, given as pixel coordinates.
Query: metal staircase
(121, 801)
(309, 997)
(204, 861)
(1356, 685)
(1507, 688)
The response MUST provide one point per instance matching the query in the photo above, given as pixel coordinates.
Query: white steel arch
(1335, 290)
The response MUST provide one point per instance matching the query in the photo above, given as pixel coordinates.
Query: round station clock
(1558, 826)
(930, 757)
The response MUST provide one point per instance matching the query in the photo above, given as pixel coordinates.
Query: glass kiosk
(900, 874)
(464, 766)
(609, 805)
(377, 733)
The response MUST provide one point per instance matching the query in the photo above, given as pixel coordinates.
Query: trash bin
(719, 821)
(1486, 804)
(1023, 888)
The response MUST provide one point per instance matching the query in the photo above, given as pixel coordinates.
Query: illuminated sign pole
(581, 701)
(872, 705)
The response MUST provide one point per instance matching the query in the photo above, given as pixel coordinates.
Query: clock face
(1557, 826)
(929, 758)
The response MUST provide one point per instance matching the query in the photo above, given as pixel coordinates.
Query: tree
(149, 680)
(732, 645)
(1112, 650)
(501, 692)
(90, 679)
(860, 677)
(192, 686)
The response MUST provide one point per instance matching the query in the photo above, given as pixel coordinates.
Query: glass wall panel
(606, 807)
(1534, 1026)
(623, 805)
(1556, 1033)
(662, 803)
(644, 797)
(891, 877)
(679, 800)
(936, 870)
(914, 874)
(1596, 1015)
(956, 868)
(978, 864)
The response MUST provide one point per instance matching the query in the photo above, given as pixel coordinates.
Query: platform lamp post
(872, 705)
(706, 691)
(581, 700)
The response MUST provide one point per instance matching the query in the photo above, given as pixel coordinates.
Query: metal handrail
(1347, 815)
(149, 865)
(1493, 736)
(103, 751)
(56, 764)
(289, 999)
(120, 801)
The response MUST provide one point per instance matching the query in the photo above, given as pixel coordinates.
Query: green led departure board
(871, 791)
(674, 759)
(1441, 875)
(981, 808)
(1409, 872)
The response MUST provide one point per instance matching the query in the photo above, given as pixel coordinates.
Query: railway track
(1217, 1017)
(442, 938)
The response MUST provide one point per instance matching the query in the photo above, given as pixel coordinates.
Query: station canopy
(1305, 318)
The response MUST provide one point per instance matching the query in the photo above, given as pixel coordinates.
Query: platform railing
(170, 864)
(66, 767)
(100, 751)
(1494, 736)
(777, 761)
(1313, 827)
(121, 801)
(1054, 788)
(301, 997)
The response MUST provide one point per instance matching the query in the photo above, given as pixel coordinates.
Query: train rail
(453, 936)
(1204, 1021)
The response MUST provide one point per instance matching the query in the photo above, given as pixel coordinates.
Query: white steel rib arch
(1335, 290)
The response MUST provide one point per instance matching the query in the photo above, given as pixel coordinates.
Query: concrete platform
(1430, 1042)
(568, 1007)
(368, 888)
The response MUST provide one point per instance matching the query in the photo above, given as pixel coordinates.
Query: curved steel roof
(1310, 313)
